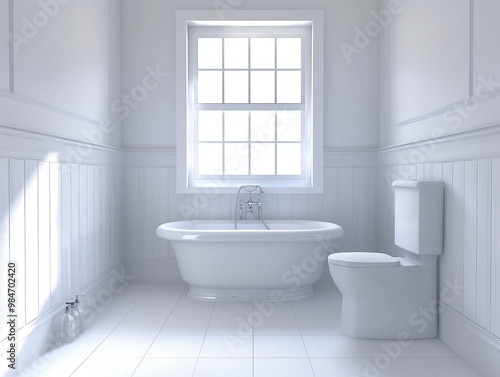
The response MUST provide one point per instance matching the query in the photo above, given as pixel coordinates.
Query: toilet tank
(419, 210)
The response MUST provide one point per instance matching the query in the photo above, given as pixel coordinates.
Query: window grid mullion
(275, 143)
(223, 72)
(249, 116)
(276, 101)
(223, 143)
(246, 69)
(249, 74)
(275, 70)
(223, 112)
(253, 107)
(249, 143)
(239, 142)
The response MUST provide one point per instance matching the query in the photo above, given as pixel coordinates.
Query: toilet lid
(363, 260)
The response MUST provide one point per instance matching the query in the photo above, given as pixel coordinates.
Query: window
(246, 96)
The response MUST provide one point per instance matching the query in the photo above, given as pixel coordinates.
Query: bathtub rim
(184, 231)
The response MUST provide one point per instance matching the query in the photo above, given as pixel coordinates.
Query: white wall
(439, 120)
(351, 106)
(61, 71)
(61, 178)
(443, 78)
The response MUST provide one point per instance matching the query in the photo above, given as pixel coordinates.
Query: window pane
(262, 126)
(289, 87)
(236, 155)
(236, 87)
(210, 125)
(289, 125)
(263, 159)
(262, 86)
(289, 159)
(235, 52)
(210, 158)
(289, 53)
(262, 53)
(236, 125)
(209, 87)
(210, 53)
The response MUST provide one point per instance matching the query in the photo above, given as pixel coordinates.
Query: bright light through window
(249, 101)
(240, 71)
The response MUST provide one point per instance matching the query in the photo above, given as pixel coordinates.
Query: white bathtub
(252, 263)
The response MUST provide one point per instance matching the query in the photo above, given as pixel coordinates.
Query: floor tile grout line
(427, 367)
(111, 332)
(302, 334)
(91, 353)
(329, 301)
(422, 360)
(159, 331)
(304, 342)
(204, 338)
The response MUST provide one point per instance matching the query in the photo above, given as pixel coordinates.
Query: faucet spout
(249, 204)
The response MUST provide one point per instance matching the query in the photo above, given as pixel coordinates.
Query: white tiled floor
(158, 330)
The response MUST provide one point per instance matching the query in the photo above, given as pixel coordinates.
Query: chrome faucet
(249, 204)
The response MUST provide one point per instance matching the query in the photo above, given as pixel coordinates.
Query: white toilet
(384, 297)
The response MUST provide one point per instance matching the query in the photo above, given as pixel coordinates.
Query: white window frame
(311, 180)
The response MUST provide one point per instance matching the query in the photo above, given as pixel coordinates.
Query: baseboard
(152, 270)
(42, 335)
(477, 346)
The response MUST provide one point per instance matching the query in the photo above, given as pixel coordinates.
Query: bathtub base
(277, 295)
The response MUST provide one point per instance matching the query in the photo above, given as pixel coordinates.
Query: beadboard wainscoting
(349, 199)
(469, 165)
(61, 224)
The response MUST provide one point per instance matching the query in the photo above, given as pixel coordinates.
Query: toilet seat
(362, 259)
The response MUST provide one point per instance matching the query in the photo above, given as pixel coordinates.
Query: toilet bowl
(385, 297)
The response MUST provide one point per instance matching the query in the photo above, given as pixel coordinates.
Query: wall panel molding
(486, 59)
(71, 75)
(16, 143)
(6, 53)
(11, 47)
(10, 92)
(464, 145)
(423, 83)
(21, 98)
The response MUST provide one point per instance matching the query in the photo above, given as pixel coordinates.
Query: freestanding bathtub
(252, 263)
